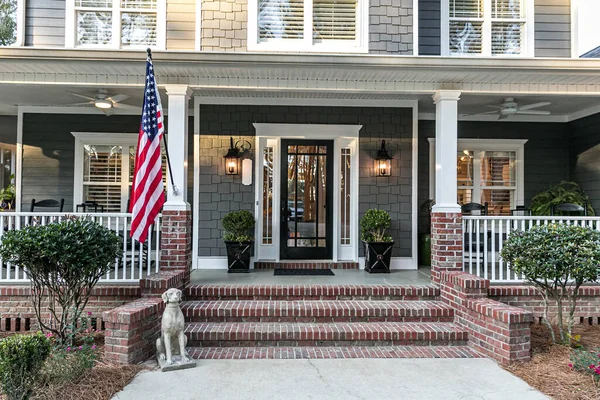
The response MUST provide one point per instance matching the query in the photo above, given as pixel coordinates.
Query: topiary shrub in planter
(378, 244)
(64, 261)
(21, 359)
(238, 239)
(557, 259)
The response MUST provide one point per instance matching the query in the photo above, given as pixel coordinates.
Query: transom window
(118, 23)
(308, 25)
(487, 27)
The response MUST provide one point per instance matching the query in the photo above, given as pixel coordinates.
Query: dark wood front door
(306, 199)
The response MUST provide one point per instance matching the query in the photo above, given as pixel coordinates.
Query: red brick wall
(446, 243)
(132, 330)
(526, 297)
(176, 242)
(16, 311)
(496, 330)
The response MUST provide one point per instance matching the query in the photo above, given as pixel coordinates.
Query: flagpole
(173, 186)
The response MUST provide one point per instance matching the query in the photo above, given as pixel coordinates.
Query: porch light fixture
(103, 103)
(232, 159)
(383, 162)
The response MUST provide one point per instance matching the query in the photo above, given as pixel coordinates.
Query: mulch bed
(549, 370)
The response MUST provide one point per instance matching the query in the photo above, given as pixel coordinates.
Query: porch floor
(422, 276)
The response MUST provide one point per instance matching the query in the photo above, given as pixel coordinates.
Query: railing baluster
(157, 246)
(471, 246)
(500, 245)
(493, 222)
(485, 248)
(477, 250)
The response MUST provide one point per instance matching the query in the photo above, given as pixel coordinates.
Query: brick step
(305, 265)
(316, 311)
(262, 334)
(312, 292)
(238, 353)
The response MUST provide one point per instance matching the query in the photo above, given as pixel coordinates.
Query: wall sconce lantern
(232, 159)
(383, 162)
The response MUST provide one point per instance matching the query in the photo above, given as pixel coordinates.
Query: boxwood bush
(64, 261)
(21, 359)
(373, 226)
(238, 226)
(557, 259)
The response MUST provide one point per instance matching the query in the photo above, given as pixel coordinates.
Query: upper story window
(117, 23)
(487, 27)
(10, 22)
(337, 26)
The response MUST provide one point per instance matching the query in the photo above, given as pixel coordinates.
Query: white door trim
(271, 135)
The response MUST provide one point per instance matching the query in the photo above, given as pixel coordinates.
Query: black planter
(238, 256)
(425, 249)
(378, 256)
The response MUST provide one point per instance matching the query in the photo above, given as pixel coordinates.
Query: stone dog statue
(172, 340)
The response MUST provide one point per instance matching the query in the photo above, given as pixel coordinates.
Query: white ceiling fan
(103, 101)
(511, 107)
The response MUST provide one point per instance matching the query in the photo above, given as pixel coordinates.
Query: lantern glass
(232, 165)
(383, 167)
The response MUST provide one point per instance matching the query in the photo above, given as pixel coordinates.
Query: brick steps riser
(308, 297)
(198, 318)
(312, 343)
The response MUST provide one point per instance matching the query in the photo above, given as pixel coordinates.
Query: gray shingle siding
(220, 194)
(552, 28)
(429, 27)
(546, 151)
(45, 23)
(391, 27)
(585, 156)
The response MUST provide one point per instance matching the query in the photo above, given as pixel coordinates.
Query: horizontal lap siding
(45, 23)
(49, 152)
(546, 151)
(585, 156)
(552, 28)
(429, 27)
(181, 24)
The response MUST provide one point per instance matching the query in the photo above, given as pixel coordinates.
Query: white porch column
(177, 142)
(446, 144)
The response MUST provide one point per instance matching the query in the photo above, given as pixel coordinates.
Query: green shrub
(373, 226)
(586, 361)
(564, 192)
(238, 226)
(64, 261)
(557, 259)
(21, 359)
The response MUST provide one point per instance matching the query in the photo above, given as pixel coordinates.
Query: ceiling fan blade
(534, 105)
(494, 106)
(483, 113)
(117, 98)
(502, 116)
(87, 103)
(533, 112)
(106, 111)
(126, 107)
(81, 95)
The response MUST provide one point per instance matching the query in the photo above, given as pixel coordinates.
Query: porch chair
(469, 208)
(570, 208)
(48, 203)
(521, 211)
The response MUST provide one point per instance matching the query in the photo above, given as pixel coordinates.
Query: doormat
(303, 272)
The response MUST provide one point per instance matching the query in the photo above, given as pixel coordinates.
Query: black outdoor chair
(521, 211)
(48, 203)
(469, 208)
(570, 208)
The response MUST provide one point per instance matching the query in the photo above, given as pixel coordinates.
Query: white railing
(138, 260)
(484, 236)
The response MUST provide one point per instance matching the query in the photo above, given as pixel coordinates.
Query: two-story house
(482, 101)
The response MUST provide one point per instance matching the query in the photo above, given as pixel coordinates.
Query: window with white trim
(308, 25)
(488, 27)
(118, 23)
(10, 22)
(104, 170)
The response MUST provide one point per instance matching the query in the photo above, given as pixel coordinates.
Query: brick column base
(176, 243)
(446, 243)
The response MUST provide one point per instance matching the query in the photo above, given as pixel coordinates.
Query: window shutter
(499, 177)
(465, 37)
(94, 27)
(280, 19)
(506, 9)
(138, 29)
(94, 3)
(138, 4)
(466, 8)
(506, 38)
(334, 19)
(102, 176)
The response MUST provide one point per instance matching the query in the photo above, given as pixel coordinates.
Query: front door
(306, 199)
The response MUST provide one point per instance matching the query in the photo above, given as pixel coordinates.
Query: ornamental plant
(64, 261)
(238, 226)
(373, 226)
(21, 359)
(586, 361)
(564, 192)
(557, 259)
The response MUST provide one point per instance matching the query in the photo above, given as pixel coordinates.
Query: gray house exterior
(226, 73)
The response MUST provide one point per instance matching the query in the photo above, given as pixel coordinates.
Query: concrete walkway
(436, 379)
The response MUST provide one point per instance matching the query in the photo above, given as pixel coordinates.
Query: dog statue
(172, 340)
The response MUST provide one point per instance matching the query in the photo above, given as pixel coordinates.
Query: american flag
(147, 196)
